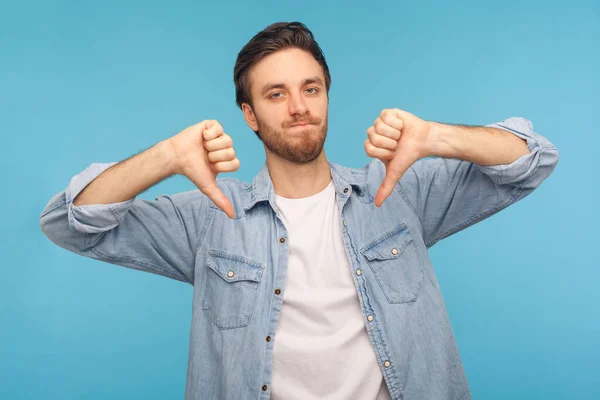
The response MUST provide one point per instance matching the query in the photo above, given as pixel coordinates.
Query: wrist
(168, 158)
(443, 140)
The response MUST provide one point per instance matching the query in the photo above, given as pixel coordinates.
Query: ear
(249, 116)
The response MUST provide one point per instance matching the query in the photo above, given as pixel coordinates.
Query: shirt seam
(54, 206)
(404, 196)
(202, 235)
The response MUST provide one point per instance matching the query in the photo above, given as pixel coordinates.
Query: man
(313, 281)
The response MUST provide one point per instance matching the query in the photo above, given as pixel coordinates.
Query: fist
(201, 152)
(397, 138)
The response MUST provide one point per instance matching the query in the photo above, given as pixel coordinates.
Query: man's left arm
(482, 145)
(454, 176)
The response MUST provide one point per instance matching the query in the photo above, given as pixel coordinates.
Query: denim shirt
(238, 266)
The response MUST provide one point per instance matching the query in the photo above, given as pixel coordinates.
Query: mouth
(300, 125)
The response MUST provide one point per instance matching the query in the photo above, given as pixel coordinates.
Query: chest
(244, 261)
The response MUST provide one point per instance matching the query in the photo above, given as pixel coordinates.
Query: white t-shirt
(321, 349)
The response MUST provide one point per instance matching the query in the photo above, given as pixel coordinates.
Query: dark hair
(275, 37)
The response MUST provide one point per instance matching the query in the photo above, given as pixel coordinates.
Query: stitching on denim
(54, 206)
(235, 257)
(115, 213)
(386, 235)
(201, 235)
(404, 196)
(465, 395)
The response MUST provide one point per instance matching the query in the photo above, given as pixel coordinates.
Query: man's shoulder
(374, 169)
(232, 183)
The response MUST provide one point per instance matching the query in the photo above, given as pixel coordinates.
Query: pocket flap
(389, 245)
(233, 268)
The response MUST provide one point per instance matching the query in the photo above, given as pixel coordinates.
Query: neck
(295, 181)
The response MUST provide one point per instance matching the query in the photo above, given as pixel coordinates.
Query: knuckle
(386, 118)
(377, 141)
(389, 113)
(227, 141)
(211, 124)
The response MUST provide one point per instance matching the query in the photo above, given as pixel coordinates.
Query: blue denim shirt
(186, 237)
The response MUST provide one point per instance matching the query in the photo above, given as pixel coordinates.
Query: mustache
(313, 121)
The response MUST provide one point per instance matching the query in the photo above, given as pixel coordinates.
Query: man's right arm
(98, 215)
(127, 179)
(106, 222)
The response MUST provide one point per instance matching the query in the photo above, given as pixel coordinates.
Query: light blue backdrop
(100, 81)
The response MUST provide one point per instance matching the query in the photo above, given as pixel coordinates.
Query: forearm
(130, 177)
(480, 145)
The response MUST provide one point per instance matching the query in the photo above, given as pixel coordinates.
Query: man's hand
(201, 152)
(398, 139)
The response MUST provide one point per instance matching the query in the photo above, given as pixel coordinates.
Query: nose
(297, 105)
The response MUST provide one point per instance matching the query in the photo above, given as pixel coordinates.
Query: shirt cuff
(93, 218)
(525, 166)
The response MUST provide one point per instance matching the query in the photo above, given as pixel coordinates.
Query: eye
(273, 96)
(314, 90)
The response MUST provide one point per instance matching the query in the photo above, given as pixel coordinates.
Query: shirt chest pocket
(396, 265)
(231, 292)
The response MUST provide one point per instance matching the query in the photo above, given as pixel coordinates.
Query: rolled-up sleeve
(449, 195)
(93, 218)
(158, 236)
(524, 170)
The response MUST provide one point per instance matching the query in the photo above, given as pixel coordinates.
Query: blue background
(84, 82)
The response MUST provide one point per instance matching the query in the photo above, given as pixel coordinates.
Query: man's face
(290, 105)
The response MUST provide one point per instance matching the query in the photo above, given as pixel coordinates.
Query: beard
(300, 147)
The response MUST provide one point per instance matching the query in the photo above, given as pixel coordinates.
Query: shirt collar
(262, 185)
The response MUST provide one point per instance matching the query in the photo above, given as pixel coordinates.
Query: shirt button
(345, 190)
(281, 240)
(344, 222)
(230, 274)
(358, 272)
(386, 364)
(277, 291)
(394, 251)
(268, 338)
(370, 318)
(264, 388)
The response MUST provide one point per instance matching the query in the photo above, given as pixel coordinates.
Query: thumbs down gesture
(397, 138)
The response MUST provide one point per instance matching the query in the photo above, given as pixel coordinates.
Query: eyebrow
(307, 81)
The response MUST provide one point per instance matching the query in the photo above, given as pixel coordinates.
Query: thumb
(216, 195)
(393, 172)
